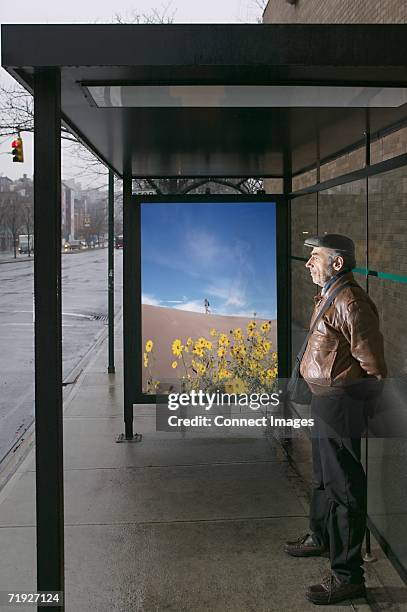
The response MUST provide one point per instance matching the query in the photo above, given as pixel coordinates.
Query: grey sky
(103, 11)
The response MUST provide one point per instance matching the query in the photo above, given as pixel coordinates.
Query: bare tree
(16, 114)
(27, 221)
(260, 5)
(154, 16)
(12, 217)
(98, 221)
(17, 107)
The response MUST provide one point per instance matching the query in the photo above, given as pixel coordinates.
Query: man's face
(320, 268)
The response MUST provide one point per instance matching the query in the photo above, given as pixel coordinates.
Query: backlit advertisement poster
(208, 296)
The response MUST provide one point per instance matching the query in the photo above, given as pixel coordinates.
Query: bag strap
(321, 312)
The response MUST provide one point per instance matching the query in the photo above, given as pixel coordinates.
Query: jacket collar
(332, 280)
(337, 280)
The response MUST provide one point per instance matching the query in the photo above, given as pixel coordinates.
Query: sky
(223, 252)
(103, 11)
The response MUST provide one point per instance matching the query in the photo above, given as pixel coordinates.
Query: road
(84, 307)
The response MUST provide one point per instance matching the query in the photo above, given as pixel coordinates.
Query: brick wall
(336, 11)
(342, 210)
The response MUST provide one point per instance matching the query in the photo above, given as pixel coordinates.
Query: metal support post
(131, 306)
(48, 332)
(284, 273)
(110, 274)
(284, 288)
(368, 557)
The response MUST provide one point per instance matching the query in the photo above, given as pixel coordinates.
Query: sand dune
(164, 325)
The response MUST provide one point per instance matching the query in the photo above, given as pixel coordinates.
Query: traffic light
(17, 150)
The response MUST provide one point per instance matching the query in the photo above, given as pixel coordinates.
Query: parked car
(25, 243)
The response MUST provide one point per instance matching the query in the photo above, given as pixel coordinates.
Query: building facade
(373, 211)
(332, 11)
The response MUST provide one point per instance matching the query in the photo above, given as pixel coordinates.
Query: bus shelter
(201, 101)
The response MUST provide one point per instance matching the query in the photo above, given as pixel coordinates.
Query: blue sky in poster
(223, 252)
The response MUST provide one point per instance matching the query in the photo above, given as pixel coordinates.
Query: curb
(17, 260)
(27, 259)
(20, 451)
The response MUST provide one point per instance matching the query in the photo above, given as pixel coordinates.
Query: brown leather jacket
(346, 346)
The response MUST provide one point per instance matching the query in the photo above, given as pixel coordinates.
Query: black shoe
(331, 591)
(304, 547)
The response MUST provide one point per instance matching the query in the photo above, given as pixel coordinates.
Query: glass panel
(342, 165)
(303, 223)
(388, 222)
(342, 210)
(388, 146)
(207, 269)
(387, 506)
(391, 299)
(273, 185)
(306, 179)
(303, 292)
(387, 250)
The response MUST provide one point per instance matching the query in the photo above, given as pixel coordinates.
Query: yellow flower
(213, 332)
(174, 365)
(145, 360)
(224, 373)
(221, 351)
(177, 347)
(190, 342)
(198, 351)
(266, 346)
(266, 326)
(251, 326)
(237, 333)
(223, 340)
(149, 346)
(258, 353)
(208, 345)
(186, 349)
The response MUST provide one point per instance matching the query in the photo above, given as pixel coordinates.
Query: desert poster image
(208, 273)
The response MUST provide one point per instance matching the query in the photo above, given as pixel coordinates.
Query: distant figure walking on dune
(206, 304)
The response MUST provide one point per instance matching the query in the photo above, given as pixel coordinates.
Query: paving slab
(216, 566)
(182, 521)
(89, 443)
(199, 492)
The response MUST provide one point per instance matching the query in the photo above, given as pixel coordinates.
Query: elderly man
(342, 364)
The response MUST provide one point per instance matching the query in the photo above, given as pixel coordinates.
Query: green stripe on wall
(397, 278)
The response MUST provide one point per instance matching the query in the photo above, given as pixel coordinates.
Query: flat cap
(332, 241)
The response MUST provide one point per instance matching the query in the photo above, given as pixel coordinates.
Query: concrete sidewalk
(177, 522)
(7, 258)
